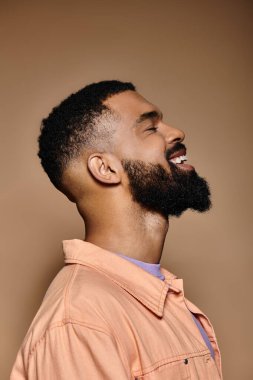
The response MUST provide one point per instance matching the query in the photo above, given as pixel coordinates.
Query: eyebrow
(149, 115)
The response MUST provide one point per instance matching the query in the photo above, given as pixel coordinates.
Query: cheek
(148, 148)
(154, 150)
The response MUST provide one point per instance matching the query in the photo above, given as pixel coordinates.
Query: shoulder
(78, 294)
(91, 294)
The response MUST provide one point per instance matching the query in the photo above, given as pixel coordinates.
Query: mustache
(178, 146)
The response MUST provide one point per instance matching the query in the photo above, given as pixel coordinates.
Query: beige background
(191, 58)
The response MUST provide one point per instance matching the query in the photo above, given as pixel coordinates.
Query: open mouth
(179, 158)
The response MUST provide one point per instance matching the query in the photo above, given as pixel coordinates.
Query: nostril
(175, 136)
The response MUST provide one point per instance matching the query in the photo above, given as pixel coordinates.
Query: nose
(173, 135)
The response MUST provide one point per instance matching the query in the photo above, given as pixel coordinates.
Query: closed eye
(152, 129)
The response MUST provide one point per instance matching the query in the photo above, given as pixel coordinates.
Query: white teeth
(178, 160)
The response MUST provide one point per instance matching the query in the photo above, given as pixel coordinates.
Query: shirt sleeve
(73, 351)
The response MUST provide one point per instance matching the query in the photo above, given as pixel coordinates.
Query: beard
(167, 193)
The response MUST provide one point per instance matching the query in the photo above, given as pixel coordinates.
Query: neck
(130, 231)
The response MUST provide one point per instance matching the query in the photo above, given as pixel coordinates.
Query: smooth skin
(99, 184)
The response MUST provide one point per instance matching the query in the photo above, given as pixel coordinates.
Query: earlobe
(103, 168)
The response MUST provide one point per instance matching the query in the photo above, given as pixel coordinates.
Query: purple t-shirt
(155, 270)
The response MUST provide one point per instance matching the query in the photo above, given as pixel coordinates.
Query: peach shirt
(103, 317)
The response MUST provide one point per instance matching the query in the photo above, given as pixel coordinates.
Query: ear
(104, 167)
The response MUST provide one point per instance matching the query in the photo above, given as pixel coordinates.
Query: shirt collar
(154, 269)
(148, 289)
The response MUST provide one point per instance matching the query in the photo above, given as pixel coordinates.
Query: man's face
(152, 155)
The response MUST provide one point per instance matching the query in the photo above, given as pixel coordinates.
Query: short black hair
(73, 125)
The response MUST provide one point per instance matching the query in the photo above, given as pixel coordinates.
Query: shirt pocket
(204, 365)
(175, 370)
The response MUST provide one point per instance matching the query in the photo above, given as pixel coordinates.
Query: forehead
(130, 105)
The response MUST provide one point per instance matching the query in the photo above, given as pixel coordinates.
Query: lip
(186, 167)
(183, 166)
(181, 152)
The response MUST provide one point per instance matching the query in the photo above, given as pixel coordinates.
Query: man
(112, 312)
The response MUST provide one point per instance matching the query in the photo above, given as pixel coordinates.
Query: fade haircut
(77, 124)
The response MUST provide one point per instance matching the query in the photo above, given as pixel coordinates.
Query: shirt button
(185, 361)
